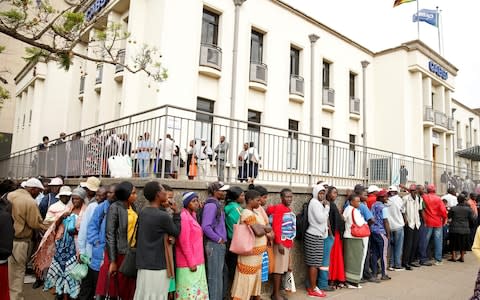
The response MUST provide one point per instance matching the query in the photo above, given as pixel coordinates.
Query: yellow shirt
(132, 220)
(476, 244)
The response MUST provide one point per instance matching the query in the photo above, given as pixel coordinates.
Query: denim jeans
(322, 279)
(215, 269)
(437, 243)
(143, 167)
(396, 242)
(378, 243)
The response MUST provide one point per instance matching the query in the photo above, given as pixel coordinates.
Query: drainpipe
(313, 39)
(453, 140)
(364, 117)
(233, 93)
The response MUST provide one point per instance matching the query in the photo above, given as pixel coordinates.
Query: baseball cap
(412, 187)
(34, 183)
(382, 193)
(217, 186)
(373, 189)
(56, 181)
(392, 188)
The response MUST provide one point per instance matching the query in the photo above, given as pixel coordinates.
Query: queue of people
(97, 242)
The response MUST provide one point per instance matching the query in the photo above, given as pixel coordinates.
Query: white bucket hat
(56, 181)
(92, 183)
(34, 183)
(64, 191)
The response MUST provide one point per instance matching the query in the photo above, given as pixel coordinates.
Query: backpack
(302, 221)
(200, 212)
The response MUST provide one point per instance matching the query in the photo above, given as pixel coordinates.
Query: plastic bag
(289, 282)
(120, 166)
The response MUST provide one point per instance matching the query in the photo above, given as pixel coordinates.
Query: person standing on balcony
(435, 216)
(396, 212)
(253, 161)
(202, 153)
(403, 175)
(243, 163)
(191, 166)
(221, 151)
(166, 149)
(145, 146)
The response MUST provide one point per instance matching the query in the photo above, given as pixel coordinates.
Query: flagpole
(418, 21)
(438, 31)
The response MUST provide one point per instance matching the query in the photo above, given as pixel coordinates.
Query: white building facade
(260, 61)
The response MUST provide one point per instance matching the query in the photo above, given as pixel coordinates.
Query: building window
(325, 150)
(203, 126)
(352, 87)
(326, 75)
(254, 129)
(23, 123)
(256, 47)
(210, 28)
(30, 118)
(351, 156)
(292, 146)
(294, 61)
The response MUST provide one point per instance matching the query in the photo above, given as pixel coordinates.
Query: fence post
(290, 140)
(164, 144)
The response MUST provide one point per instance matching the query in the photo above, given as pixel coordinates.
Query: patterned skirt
(191, 285)
(313, 246)
(58, 275)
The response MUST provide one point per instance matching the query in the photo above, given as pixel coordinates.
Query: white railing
(296, 85)
(211, 56)
(355, 106)
(328, 96)
(428, 114)
(258, 72)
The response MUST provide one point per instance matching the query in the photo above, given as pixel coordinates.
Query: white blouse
(347, 215)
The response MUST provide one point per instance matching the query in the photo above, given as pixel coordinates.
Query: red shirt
(371, 199)
(434, 211)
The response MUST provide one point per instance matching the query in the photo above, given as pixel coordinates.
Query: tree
(54, 32)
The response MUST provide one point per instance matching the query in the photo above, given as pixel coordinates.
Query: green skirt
(191, 285)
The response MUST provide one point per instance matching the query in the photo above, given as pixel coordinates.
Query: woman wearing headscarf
(154, 226)
(120, 227)
(66, 252)
(235, 199)
(337, 225)
(190, 273)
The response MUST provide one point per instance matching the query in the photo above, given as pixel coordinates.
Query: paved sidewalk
(451, 281)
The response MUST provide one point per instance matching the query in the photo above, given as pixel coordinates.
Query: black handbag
(129, 264)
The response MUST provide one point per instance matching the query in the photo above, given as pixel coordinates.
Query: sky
(376, 25)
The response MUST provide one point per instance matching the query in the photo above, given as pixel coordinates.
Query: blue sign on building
(97, 6)
(436, 69)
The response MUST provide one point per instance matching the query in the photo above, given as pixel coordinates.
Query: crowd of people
(95, 241)
(89, 156)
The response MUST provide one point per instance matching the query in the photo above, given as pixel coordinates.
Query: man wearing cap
(50, 198)
(380, 234)
(26, 218)
(396, 212)
(435, 216)
(412, 226)
(372, 195)
(91, 187)
(213, 225)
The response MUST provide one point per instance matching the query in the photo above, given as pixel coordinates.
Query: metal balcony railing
(355, 106)
(328, 96)
(296, 85)
(121, 61)
(286, 156)
(82, 84)
(211, 56)
(258, 72)
(441, 119)
(99, 74)
(450, 127)
(428, 115)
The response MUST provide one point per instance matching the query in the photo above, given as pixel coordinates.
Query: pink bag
(243, 239)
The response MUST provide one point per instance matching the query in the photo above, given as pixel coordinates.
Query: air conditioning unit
(211, 56)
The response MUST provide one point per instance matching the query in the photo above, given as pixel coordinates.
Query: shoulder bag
(129, 264)
(243, 239)
(359, 231)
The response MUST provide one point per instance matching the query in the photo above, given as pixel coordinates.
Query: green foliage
(73, 21)
(4, 94)
(2, 48)
(33, 54)
(12, 17)
(65, 60)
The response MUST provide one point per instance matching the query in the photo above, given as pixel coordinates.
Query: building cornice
(425, 50)
(475, 111)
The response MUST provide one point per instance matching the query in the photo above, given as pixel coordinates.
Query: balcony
(99, 78)
(210, 60)
(296, 88)
(119, 67)
(354, 108)
(459, 143)
(450, 127)
(428, 116)
(441, 121)
(82, 87)
(258, 76)
(328, 99)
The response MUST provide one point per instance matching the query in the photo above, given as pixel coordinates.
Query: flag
(399, 2)
(429, 16)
